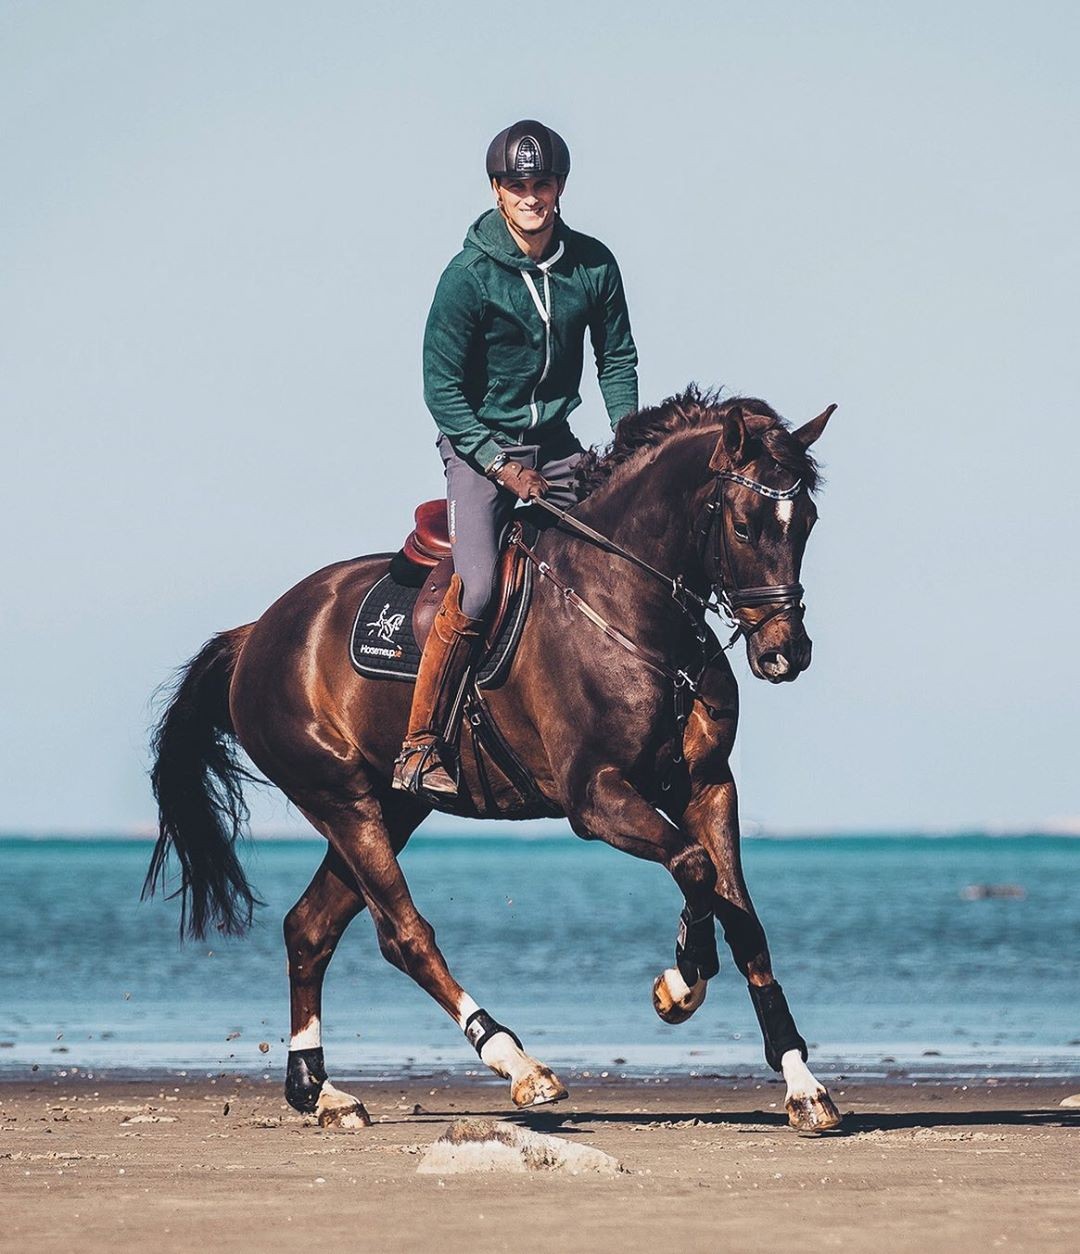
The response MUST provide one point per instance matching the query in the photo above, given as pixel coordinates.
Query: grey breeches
(478, 509)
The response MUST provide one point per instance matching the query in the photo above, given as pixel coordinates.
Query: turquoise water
(888, 967)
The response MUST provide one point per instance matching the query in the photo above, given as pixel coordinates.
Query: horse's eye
(742, 531)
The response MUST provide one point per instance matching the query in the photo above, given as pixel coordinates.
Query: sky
(221, 226)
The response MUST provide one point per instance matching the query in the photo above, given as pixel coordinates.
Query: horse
(620, 705)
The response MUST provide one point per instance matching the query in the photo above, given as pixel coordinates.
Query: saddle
(428, 546)
(395, 617)
(388, 635)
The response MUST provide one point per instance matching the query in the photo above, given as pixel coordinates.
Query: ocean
(895, 961)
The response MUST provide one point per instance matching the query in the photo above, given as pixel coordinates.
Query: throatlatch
(777, 1025)
(480, 1027)
(695, 947)
(304, 1078)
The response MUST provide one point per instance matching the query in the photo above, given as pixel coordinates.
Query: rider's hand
(523, 482)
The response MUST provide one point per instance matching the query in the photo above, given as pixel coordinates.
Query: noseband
(779, 598)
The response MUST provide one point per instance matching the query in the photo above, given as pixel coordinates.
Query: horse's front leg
(712, 818)
(610, 809)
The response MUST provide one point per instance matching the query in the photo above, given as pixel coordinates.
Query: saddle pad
(382, 644)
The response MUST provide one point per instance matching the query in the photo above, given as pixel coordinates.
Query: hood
(490, 235)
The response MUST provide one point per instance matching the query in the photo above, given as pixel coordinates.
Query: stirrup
(415, 763)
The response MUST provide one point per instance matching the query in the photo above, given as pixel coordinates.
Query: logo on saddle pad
(385, 628)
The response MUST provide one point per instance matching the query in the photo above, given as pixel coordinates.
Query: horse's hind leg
(360, 834)
(313, 928)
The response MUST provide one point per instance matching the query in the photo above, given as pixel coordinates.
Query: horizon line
(548, 829)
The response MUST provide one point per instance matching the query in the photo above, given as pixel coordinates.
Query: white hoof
(336, 1109)
(531, 1083)
(537, 1087)
(673, 999)
(809, 1106)
(815, 1113)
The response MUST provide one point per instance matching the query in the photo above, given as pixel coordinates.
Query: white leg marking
(505, 1059)
(673, 1000)
(531, 1083)
(466, 1008)
(677, 986)
(336, 1109)
(809, 1106)
(309, 1036)
(800, 1079)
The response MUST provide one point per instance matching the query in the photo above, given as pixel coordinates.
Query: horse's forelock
(789, 454)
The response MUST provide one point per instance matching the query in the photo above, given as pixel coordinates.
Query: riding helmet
(528, 149)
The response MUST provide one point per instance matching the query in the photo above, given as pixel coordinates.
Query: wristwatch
(500, 461)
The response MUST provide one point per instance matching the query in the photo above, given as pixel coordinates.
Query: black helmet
(527, 149)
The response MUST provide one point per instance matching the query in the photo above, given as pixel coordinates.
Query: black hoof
(304, 1078)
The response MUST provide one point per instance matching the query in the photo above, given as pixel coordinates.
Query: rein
(679, 678)
(730, 598)
(729, 601)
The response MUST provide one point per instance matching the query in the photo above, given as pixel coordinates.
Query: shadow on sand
(552, 1121)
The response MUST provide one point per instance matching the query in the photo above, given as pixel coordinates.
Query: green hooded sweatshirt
(505, 339)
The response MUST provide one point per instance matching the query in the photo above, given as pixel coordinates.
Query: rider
(503, 355)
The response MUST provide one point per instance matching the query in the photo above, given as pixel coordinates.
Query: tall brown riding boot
(422, 764)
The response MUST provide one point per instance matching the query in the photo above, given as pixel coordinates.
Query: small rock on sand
(487, 1145)
(1073, 1101)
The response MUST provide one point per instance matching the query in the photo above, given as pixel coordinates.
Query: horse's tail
(198, 783)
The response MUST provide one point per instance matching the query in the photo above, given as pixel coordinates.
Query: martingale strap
(679, 678)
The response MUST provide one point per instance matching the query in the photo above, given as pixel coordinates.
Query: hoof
(813, 1114)
(336, 1109)
(673, 999)
(538, 1088)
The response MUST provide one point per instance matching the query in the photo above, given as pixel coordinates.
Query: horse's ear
(731, 446)
(813, 429)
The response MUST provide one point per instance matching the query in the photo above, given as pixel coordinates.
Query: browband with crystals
(774, 494)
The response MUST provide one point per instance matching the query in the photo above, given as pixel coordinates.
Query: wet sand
(178, 1165)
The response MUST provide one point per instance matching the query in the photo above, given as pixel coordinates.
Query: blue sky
(219, 235)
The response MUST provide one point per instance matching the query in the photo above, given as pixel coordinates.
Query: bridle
(728, 602)
(778, 598)
(730, 599)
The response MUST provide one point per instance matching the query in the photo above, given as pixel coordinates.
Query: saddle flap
(507, 582)
(396, 614)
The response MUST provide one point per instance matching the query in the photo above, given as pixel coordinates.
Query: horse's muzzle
(780, 661)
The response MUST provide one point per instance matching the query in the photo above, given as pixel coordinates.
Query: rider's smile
(528, 204)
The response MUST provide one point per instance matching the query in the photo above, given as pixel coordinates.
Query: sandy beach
(709, 1165)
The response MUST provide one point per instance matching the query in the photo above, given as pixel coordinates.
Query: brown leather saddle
(391, 625)
(428, 546)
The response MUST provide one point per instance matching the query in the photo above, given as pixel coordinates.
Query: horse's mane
(687, 411)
